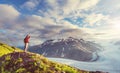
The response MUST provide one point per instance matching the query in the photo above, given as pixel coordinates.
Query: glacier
(108, 61)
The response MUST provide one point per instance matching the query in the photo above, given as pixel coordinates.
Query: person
(26, 42)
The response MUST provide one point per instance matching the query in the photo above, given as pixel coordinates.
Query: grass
(5, 49)
(21, 62)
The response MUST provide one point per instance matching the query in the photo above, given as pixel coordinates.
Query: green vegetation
(21, 62)
(5, 49)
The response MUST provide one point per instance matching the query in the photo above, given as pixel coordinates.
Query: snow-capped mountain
(70, 48)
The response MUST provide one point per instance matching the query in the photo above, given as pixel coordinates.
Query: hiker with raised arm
(26, 42)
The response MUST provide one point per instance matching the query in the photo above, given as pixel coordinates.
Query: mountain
(5, 49)
(70, 48)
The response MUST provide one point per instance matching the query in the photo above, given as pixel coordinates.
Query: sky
(96, 20)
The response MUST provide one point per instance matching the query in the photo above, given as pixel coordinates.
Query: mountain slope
(5, 49)
(70, 48)
(21, 62)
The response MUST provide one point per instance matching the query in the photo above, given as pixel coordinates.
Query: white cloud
(108, 7)
(107, 33)
(95, 19)
(31, 4)
(47, 27)
(64, 8)
(78, 5)
(71, 9)
(67, 24)
(86, 4)
(8, 13)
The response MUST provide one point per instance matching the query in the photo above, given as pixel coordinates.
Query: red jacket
(26, 39)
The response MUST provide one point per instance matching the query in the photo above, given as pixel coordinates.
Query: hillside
(5, 49)
(69, 48)
(21, 62)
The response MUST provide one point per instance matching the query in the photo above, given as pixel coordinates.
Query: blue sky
(45, 19)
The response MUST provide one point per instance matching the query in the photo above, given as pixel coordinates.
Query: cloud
(31, 4)
(62, 8)
(95, 19)
(109, 7)
(74, 10)
(79, 5)
(8, 13)
(69, 6)
(47, 29)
